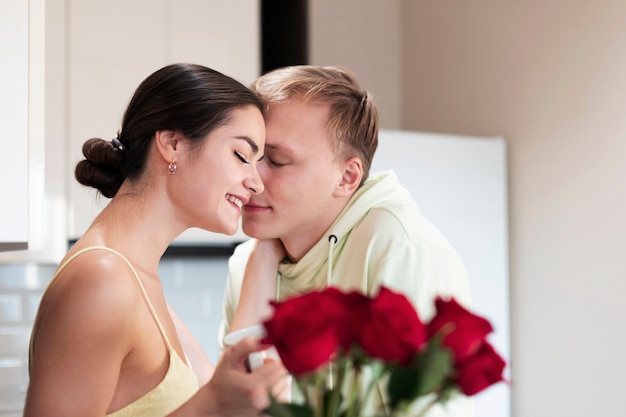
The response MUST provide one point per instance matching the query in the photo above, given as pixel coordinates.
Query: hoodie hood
(381, 189)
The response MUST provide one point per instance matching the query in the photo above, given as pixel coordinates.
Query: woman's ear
(167, 143)
(350, 178)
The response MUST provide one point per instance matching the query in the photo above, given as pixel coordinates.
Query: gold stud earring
(171, 168)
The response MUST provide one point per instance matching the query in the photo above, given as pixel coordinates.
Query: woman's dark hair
(187, 98)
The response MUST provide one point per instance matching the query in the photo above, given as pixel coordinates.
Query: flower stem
(334, 400)
(319, 409)
(354, 402)
(377, 371)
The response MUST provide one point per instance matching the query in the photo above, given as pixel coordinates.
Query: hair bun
(101, 168)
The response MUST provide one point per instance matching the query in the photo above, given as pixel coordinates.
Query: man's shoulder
(400, 221)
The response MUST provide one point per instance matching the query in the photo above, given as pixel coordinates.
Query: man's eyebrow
(253, 145)
(279, 147)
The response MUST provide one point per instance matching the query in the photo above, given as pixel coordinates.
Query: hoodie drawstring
(278, 279)
(329, 279)
(330, 259)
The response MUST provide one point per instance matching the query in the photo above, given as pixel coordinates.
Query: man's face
(300, 172)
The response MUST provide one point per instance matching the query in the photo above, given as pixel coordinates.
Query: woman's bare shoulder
(95, 295)
(95, 279)
(85, 329)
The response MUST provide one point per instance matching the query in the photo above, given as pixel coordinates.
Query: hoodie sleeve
(410, 255)
(422, 271)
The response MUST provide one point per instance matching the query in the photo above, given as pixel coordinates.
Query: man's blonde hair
(353, 121)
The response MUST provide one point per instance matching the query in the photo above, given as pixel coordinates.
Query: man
(322, 219)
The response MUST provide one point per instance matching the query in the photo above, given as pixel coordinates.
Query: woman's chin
(231, 230)
(224, 229)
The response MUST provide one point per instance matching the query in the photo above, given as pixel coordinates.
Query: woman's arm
(259, 284)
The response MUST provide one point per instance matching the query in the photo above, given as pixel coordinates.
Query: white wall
(550, 78)
(363, 35)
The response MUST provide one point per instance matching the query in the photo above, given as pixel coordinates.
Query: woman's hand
(233, 391)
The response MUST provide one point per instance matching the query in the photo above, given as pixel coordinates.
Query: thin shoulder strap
(141, 287)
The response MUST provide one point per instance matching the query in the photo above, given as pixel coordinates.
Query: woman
(104, 341)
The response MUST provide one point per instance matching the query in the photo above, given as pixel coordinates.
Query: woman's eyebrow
(253, 145)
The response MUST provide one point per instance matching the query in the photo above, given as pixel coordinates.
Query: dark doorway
(284, 33)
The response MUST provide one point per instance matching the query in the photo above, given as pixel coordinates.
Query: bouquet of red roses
(328, 338)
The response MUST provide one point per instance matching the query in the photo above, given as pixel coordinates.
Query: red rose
(349, 324)
(304, 329)
(480, 370)
(463, 332)
(392, 330)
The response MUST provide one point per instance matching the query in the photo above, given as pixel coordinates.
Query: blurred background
(548, 77)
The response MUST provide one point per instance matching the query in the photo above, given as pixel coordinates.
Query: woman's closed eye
(241, 157)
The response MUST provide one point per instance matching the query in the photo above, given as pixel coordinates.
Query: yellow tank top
(179, 383)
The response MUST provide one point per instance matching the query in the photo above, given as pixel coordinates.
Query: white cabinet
(115, 44)
(21, 118)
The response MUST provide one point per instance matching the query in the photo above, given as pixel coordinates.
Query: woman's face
(213, 182)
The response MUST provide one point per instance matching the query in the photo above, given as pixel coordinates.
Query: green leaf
(278, 409)
(435, 365)
(426, 373)
(403, 384)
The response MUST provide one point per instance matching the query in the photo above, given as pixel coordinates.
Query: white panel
(14, 121)
(36, 124)
(459, 183)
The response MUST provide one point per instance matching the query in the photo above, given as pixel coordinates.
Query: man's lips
(253, 207)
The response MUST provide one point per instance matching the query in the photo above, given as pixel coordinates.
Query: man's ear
(167, 143)
(351, 177)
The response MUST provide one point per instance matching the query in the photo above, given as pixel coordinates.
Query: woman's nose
(254, 183)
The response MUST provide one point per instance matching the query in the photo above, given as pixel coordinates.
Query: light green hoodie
(382, 239)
